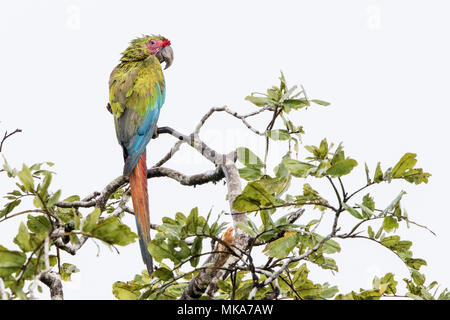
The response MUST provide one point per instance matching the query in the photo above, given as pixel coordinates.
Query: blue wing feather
(137, 144)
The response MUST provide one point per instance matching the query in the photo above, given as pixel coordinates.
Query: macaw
(136, 94)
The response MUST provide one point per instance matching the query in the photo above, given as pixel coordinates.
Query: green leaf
(352, 211)
(196, 249)
(248, 158)
(26, 178)
(415, 263)
(367, 213)
(224, 286)
(66, 214)
(394, 243)
(23, 239)
(10, 261)
(244, 290)
(258, 101)
(418, 278)
(112, 231)
(163, 274)
(250, 173)
(67, 270)
(254, 197)
(370, 232)
(368, 202)
(321, 102)
(39, 224)
(10, 171)
(380, 230)
(72, 198)
(295, 103)
(330, 247)
(281, 247)
(244, 227)
(367, 173)
(328, 292)
(160, 250)
(123, 291)
(408, 161)
(54, 199)
(180, 218)
(274, 185)
(192, 221)
(393, 203)
(297, 168)
(390, 224)
(278, 134)
(91, 220)
(378, 174)
(416, 176)
(45, 184)
(342, 167)
(38, 203)
(324, 262)
(388, 284)
(9, 207)
(266, 219)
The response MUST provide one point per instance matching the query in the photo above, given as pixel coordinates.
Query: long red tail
(139, 195)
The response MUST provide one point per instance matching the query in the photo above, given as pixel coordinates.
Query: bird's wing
(137, 93)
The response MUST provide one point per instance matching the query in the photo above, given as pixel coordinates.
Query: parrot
(137, 92)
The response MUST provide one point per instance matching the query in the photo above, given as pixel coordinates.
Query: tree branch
(53, 281)
(99, 199)
(243, 118)
(6, 136)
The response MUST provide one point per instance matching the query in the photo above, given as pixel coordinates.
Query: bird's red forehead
(166, 42)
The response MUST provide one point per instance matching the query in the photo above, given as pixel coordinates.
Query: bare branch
(243, 118)
(99, 199)
(6, 136)
(57, 235)
(234, 114)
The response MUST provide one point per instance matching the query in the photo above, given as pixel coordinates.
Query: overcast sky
(384, 66)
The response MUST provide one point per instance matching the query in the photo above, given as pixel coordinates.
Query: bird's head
(141, 48)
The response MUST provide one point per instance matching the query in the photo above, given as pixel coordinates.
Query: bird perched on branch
(136, 94)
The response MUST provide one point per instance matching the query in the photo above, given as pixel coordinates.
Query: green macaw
(136, 94)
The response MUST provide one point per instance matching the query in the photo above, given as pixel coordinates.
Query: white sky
(382, 64)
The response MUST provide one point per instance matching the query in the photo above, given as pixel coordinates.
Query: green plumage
(133, 82)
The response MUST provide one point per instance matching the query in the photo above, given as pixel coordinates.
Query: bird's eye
(152, 42)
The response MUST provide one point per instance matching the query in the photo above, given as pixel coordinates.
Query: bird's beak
(165, 55)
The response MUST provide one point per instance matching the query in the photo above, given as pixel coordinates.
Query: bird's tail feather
(139, 195)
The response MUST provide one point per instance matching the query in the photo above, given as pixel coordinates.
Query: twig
(197, 129)
(234, 114)
(6, 136)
